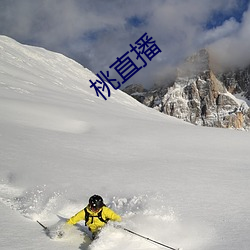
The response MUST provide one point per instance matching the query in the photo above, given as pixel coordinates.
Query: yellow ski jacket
(94, 223)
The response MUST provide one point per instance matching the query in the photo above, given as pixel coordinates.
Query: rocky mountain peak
(196, 64)
(202, 97)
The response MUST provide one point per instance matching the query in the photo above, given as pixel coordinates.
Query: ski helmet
(96, 202)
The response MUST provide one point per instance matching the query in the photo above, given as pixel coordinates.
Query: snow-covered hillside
(176, 183)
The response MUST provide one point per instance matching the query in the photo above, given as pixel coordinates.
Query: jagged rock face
(237, 81)
(137, 91)
(134, 88)
(199, 97)
(205, 102)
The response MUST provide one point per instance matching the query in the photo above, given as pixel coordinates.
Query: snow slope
(176, 183)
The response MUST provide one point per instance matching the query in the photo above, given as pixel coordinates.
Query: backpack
(88, 216)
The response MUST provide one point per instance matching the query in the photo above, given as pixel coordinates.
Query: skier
(95, 214)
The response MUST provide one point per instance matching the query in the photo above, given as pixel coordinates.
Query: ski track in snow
(145, 214)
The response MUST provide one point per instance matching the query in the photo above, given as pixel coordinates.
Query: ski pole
(45, 228)
(146, 238)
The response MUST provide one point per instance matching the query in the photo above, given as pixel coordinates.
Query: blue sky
(96, 32)
(218, 17)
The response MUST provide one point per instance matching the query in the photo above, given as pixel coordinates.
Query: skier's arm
(77, 217)
(110, 214)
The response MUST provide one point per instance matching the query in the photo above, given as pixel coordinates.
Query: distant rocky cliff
(201, 96)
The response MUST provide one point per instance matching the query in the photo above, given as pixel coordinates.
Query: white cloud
(228, 28)
(233, 50)
(95, 32)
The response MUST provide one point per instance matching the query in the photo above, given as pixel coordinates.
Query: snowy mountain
(201, 96)
(182, 185)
